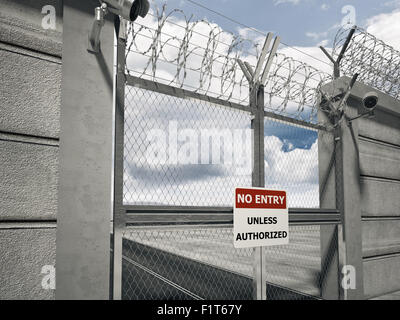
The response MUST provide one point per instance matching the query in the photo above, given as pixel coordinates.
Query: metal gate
(172, 236)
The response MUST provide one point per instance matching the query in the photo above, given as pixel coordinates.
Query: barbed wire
(202, 56)
(377, 63)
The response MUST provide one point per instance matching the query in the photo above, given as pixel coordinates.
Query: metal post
(348, 198)
(336, 63)
(341, 245)
(329, 278)
(119, 214)
(85, 159)
(257, 124)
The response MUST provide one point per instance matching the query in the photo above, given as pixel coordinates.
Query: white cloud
(252, 34)
(325, 6)
(295, 171)
(278, 2)
(392, 3)
(312, 56)
(323, 43)
(386, 27)
(316, 36)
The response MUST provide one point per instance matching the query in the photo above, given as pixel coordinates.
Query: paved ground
(193, 263)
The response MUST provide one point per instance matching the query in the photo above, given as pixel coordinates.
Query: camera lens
(370, 102)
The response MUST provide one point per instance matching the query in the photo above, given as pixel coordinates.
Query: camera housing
(370, 101)
(128, 9)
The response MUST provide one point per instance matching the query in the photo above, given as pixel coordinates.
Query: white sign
(260, 218)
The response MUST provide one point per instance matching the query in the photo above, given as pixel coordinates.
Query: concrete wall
(380, 204)
(378, 144)
(30, 71)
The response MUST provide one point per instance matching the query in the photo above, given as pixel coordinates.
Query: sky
(302, 23)
(291, 152)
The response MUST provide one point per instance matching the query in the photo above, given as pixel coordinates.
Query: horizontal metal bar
(133, 226)
(313, 211)
(172, 215)
(175, 209)
(181, 93)
(314, 216)
(268, 114)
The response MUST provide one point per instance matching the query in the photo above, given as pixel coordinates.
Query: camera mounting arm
(127, 9)
(98, 23)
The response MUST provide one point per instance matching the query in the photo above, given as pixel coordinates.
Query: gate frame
(141, 214)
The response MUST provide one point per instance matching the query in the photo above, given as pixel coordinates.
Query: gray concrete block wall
(379, 159)
(28, 175)
(379, 147)
(378, 151)
(30, 71)
(24, 250)
(30, 90)
(382, 274)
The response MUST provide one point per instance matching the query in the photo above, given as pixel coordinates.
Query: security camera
(128, 9)
(370, 101)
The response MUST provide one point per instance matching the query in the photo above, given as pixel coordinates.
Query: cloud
(291, 160)
(323, 43)
(292, 169)
(392, 3)
(325, 6)
(316, 36)
(295, 171)
(313, 56)
(385, 26)
(294, 2)
(253, 34)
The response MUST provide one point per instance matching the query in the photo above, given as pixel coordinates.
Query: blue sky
(300, 23)
(292, 136)
(291, 152)
(304, 24)
(291, 19)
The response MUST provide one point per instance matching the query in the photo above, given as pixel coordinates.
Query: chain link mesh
(181, 151)
(291, 162)
(155, 121)
(201, 263)
(297, 271)
(188, 262)
(197, 262)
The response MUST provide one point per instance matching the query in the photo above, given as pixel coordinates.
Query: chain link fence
(189, 262)
(165, 167)
(179, 151)
(200, 262)
(188, 143)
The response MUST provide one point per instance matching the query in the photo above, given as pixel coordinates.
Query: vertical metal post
(257, 124)
(348, 198)
(119, 214)
(85, 159)
(341, 245)
(329, 278)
